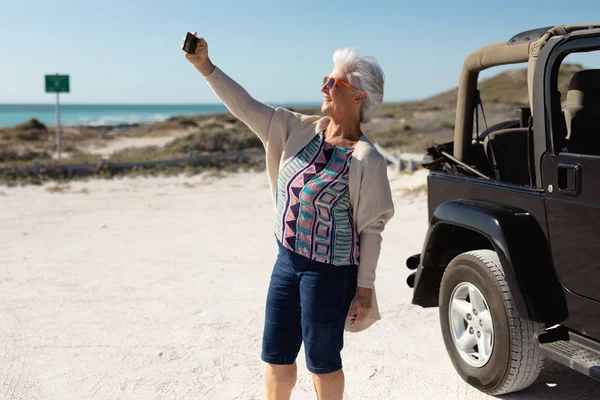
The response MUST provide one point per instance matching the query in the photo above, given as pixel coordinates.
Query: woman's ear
(360, 97)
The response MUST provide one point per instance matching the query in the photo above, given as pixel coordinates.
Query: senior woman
(332, 200)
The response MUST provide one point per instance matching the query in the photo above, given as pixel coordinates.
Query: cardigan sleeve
(256, 115)
(375, 209)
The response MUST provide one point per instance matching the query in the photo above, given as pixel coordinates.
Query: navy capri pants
(307, 301)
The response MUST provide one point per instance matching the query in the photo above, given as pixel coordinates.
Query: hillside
(409, 126)
(425, 122)
(506, 87)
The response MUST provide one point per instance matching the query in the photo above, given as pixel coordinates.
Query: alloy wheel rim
(471, 324)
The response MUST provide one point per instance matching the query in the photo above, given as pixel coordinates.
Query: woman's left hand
(361, 304)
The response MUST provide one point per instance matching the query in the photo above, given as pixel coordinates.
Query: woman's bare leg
(280, 380)
(329, 386)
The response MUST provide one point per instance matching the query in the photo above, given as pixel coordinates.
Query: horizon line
(177, 104)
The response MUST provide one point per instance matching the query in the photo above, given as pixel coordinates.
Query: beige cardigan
(284, 133)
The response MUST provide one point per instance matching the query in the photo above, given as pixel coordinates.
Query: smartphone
(190, 43)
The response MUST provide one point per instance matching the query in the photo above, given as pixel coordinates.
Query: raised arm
(256, 115)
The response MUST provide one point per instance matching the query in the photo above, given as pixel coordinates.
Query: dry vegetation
(409, 126)
(58, 188)
(415, 192)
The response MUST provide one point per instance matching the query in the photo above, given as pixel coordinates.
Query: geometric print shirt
(314, 213)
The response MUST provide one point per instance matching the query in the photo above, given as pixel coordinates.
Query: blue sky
(128, 51)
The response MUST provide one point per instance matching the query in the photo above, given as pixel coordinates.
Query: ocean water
(96, 114)
(108, 114)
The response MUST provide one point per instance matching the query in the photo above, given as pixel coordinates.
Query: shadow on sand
(559, 382)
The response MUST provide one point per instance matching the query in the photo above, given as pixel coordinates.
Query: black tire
(515, 362)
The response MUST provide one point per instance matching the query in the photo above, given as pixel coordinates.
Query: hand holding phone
(190, 43)
(196, 52)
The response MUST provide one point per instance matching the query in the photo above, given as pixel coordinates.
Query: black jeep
(512, 254)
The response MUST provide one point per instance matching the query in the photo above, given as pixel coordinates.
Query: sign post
(57, 84)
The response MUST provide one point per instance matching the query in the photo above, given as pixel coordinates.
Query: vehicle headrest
(584, 89)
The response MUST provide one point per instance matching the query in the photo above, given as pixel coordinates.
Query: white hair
(365, 73)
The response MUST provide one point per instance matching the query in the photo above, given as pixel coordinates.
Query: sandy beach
(105, 150)
(154, 288)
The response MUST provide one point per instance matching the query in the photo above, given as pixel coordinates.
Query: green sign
(57, 83)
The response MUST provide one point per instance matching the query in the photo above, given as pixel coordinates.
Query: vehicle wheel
(491, 346)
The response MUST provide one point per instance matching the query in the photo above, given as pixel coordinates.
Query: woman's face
(340, 102)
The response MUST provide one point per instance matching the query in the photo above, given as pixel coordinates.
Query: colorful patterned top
(314, 214)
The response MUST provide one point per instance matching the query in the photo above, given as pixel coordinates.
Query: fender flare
(527, 263)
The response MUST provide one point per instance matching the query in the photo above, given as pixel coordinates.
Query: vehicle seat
(582, 112)
(506, 152)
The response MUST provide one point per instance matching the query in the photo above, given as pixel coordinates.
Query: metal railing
(193, 159)
(400, 159)
(403, 161)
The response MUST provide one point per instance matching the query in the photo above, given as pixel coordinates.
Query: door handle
(569, 179)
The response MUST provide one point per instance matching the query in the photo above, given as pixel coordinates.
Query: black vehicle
(512, 254)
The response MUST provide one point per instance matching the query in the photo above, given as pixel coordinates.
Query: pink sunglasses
(331, 82)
